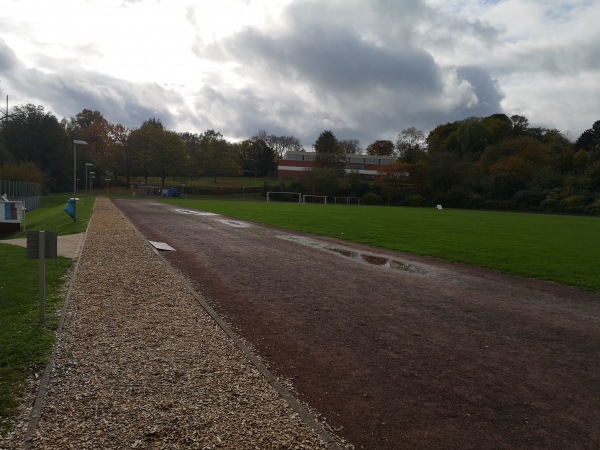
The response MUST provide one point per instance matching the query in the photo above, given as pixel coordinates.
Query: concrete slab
(162, 246)
(68, 246)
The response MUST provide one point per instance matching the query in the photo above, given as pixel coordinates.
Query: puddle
(365, 258)
(343, 252)
(375, 260)
(235, 223)
(195, 213)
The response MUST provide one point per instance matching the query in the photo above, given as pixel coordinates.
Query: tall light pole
(86, 180)
(92, 178)
(76, 142)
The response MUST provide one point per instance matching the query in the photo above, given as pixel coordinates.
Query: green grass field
(563, 249)
(24, 343)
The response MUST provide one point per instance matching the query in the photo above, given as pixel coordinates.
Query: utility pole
(5, 113)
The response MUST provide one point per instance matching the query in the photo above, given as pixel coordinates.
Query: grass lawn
(24, 343)
(51, 217)
(563, 249)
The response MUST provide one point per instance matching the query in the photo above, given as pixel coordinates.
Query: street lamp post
(76, 142)
(86, 180)
(91, 178)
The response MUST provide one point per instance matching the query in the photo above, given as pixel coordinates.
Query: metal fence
(27, 192)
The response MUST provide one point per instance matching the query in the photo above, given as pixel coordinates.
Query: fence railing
(28, 192)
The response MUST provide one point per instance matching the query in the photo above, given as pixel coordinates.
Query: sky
(364, 69)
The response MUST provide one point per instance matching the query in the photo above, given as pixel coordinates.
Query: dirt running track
(398, 351)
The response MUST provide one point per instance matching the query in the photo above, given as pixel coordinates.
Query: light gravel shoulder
(140, 365)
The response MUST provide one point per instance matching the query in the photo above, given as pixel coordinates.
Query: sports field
(396, 350)
(563, 249)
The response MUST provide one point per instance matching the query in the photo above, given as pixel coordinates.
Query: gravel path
(139, 364)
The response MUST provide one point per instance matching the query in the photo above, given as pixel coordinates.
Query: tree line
(495, 162)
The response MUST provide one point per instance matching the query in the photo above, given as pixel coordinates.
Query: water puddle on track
(230, 222)
(365, 258)
(235, 223)
(195, 213)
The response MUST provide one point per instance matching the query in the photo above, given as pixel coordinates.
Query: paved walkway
(68, 246)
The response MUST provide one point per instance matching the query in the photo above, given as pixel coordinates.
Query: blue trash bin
(71, 208)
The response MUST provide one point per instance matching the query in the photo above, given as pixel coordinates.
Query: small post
(42, 277)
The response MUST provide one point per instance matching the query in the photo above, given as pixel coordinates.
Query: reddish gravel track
(398, 351)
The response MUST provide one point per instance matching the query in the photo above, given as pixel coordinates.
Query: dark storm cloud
(335, 61)
(243, 112)
(487, 89)
(317, 44)
(362, 73)
(8, 59)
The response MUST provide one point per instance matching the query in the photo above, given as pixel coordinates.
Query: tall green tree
(160, 152)
(256, 157)
(500, 125)
(105, 140)
(217, 156)
(442, 138)
(590, 138)
(123, 158)
(329, 154)
(473, 136)
(32, 134)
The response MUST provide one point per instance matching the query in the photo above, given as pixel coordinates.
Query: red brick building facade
(299, 164)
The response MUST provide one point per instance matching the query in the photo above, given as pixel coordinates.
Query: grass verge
(563, 249)
(24, 344)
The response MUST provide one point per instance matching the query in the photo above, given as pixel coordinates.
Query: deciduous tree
(32, 134)
(217, 157)
(279, 144)
(22, 171)
(351, 146)
(590, 138)
(256, 157)
(159, 151)
(411, 145)
(381, 147)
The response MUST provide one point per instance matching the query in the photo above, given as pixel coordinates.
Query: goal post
(269, 193)
(347, 200)
(313, 197)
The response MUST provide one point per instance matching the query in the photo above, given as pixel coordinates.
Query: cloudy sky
(365, 69)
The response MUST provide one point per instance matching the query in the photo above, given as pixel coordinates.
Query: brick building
(299, 164)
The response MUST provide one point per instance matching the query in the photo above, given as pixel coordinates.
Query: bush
(281, 186)
(573, 201)
(530, 198)
(416, 200)
(372, 199)
(593, 208)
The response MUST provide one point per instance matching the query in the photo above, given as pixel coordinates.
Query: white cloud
(365, 69)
